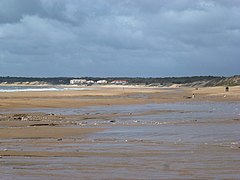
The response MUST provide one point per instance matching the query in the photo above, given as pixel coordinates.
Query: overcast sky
(119, 37)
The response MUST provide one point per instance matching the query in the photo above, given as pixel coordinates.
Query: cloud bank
(119, 37)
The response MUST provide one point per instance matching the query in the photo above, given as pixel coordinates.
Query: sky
(135, 38)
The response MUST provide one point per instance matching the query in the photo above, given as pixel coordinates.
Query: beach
(121, 132)
(113, 95)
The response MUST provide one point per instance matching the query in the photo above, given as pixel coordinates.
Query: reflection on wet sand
(177, 140)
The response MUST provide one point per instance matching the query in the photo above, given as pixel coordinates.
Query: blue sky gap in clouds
(119, 37)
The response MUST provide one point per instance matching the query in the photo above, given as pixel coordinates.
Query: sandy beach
(114, 95)
(121, 132)
(119, 89)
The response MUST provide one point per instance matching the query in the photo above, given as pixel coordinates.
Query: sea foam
(38, 89)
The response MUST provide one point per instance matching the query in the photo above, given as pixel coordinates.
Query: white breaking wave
(26, 89)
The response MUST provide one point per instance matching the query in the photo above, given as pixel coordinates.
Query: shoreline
(180, 142)
(107, 96)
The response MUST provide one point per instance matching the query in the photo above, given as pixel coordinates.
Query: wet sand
(121, 133)
(113, 96)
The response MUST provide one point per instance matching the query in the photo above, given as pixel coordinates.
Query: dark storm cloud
(119, 37)
(12, 10)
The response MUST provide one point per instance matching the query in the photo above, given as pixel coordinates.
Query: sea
(40, 88)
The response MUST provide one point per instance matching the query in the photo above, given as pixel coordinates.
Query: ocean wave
(38, 89)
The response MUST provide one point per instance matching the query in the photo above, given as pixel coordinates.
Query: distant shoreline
(194, 81)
